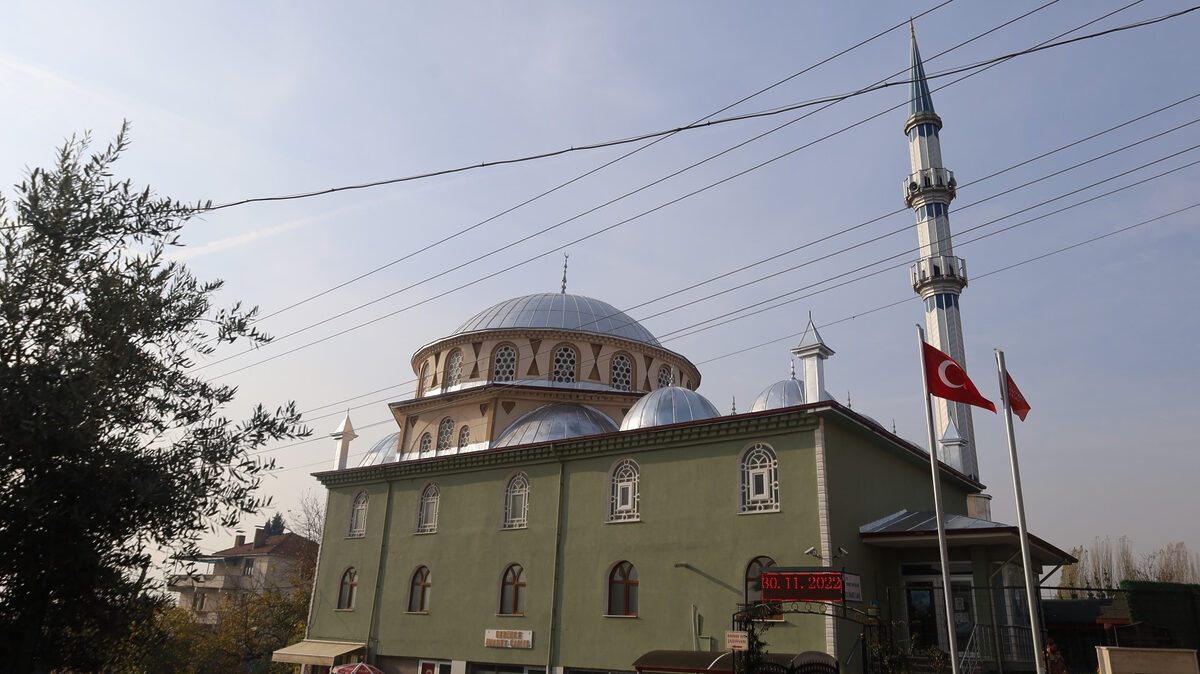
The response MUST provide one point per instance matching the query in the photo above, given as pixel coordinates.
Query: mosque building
(558, 498)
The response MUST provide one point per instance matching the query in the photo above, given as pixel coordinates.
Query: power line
(835, 322)
(611, 226)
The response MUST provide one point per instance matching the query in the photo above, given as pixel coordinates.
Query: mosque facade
(557, 497)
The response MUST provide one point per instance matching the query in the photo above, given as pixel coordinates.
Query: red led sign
(801, 585)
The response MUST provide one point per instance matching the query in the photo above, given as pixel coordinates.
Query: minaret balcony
(938, 269)
(930, 182)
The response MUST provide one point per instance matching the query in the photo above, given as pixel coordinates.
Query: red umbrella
(356, 668)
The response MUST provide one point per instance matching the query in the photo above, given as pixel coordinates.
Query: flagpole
(937, 507)
(1030, 592)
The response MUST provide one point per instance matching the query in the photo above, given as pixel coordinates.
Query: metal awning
(316, 652)
(717, 662)
(918, 529)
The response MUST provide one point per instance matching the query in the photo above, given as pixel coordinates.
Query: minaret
(342, 436)
(812, 353)
(937, 276)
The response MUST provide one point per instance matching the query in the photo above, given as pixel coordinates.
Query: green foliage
(274, 525)
(111, 447)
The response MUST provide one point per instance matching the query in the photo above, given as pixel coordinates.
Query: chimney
(240, 539)
(260, 537)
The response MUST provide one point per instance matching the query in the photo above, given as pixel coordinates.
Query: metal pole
(1030, 592)
(937, 507)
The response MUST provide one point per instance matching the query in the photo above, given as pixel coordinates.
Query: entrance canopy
(316, 652)
(718, 662)
(918, 529)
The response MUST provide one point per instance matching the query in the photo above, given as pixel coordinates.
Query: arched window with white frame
(464, 437)
(454, 369)
(425, 445)
(622, 373)
(759, 480)
(358, 516)
(427, 509)
(445, 435)
(624, 492)
(516, 502)
(504, 364)
(665, 378)
(566, 360)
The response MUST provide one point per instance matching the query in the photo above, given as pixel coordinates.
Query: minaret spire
(937, 276)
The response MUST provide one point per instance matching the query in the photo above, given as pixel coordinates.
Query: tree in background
(1104, 565)
(274, 525)
(111, 446)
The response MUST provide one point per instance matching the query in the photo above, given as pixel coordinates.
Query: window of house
(418, 591)
(622, 373)
(759, 480)
(464, 437)
(623, 493)
(516, 502)
(512, 591)
(358, 516)
(623, 590)
(753, 586)
(248, 567)
(504, 364)
(348, 589)
(425, 446)
(427, 510)
(454, 369)
(423, 381)
(565, 360)
(664, 377)
(445, 435)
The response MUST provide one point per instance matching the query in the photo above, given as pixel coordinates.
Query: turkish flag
(1016, 401)
(946, 379)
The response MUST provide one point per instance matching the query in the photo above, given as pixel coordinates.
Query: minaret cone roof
(919, 99)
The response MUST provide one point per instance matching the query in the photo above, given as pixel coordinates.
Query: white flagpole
(1030, 589)
(937, 507)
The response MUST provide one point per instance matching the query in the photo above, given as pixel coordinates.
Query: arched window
(348, 589)
(454, 369)
(753, 591)
(358, 516)
(418, 591)
(664, 377)
(425, 446)
(565, 360)
(427, 510)
(512, 591)
(445, 435)
(623, 590)
(516, 502)
(504, 364)
(623, 492)
(759, 490)
(622, 373)
(464, 437)
(423, 380)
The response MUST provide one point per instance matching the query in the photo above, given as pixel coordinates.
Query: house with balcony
(263, 562)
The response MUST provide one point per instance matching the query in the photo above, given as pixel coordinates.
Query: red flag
(1016, 401)
(946, 379)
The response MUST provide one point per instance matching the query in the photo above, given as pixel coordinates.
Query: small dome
(781, 394)
(668, 405)
(555, 421)
(383, 451)
(559, 311)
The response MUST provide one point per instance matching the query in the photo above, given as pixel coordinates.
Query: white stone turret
(343, 435)
(812, 353)
(937, 276)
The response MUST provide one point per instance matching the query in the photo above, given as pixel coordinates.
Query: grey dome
(781, 394)
(668, 405)
(555, 421)
(383, 451)
(559, 311)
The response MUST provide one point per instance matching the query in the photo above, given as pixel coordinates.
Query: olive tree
(112, 447)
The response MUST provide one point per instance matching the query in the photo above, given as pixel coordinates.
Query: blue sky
(230, 101)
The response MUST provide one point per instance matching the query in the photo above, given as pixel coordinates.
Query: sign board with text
(802, 584)
(508, 638)
(736, 640)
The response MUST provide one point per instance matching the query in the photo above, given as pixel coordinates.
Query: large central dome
(559, 311)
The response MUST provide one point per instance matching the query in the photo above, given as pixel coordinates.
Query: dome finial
(564, 281)
(733, 406)
(792, 363)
